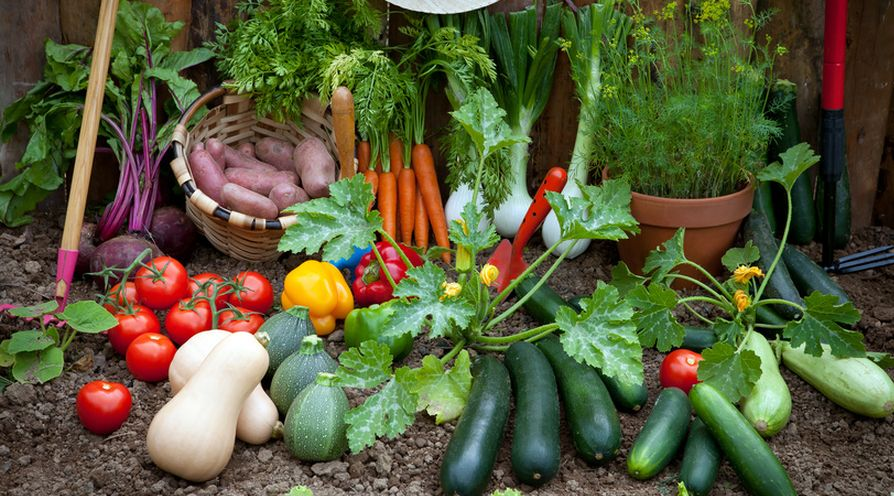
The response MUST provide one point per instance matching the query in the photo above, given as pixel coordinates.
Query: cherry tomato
(187, 318)
(130, 325)
(249, 322)
(150, 356)
(209, 281)
(103, 406)
(680, 369)
(254, 292)
(162, 283)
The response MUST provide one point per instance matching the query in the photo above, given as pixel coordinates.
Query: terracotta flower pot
(711, 226)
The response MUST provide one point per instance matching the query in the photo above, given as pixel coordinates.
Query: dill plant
(683, 103)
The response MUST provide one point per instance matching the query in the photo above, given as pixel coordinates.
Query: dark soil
(44, 449)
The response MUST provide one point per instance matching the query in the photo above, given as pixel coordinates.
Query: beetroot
(120, 252)
(173, 232)
(86, 248)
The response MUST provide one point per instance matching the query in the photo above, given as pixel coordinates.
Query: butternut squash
(258, 420)
(192, 436)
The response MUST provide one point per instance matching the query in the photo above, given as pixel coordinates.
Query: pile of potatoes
(261, 179)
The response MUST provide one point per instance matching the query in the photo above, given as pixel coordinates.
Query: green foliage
(795, 161)
(735, 257)
(276, 51)
(300, 491)
(484, 121)
(821, 324)
(38, 355)
(51, 110)
(683, 101)
(601, 212)
(733, 372)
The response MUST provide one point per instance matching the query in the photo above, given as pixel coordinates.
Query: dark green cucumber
(698, 338)
(803, 226)
(780, 285)
(701, 459)
(543, 304)
(766, 315)
(661, 436)
(842, 210)
(592, 418)
(809, 277)
(535, 440)
(757, 466)
(763, 202)
(472, 451)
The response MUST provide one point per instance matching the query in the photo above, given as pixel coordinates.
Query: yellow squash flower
(488, 274)
(742, 300)
(463, 255)
(744, 273)
(451, 289)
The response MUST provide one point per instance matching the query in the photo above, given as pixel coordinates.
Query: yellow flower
(781, 50)
(667, 13)
(463, 255)
(713, 10)
(742, 300)
(488, 274)
(744, 273)
(451, 289)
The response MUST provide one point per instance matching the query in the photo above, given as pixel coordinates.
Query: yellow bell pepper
(321, 288)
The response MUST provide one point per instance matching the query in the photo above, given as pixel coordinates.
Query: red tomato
(103, 406)
(187, 318)
(209, 281)
(680, 369)
(162, 283)
(150, 356)
(249, 322)
(131, 325)
(253, 291)
(129, 294)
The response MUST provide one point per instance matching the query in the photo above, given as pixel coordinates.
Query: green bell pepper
(364, 323)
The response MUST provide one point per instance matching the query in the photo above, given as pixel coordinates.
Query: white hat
(442, 6)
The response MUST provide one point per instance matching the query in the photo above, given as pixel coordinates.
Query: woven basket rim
(180, 142)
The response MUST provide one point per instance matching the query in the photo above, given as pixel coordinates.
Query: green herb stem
(779, 301)
(772, 268)
(697, 314)
(724, 305)
(494, 348)
(541, 335)
(710, 278)
(403, 256)
(384, 268)
(453, 352)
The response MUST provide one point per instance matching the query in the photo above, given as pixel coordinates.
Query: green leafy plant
(726, 365)
(685, 98)
(142, 69)
(38, 355)
(464, 310)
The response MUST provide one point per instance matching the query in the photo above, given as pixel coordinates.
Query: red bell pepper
(370, 284)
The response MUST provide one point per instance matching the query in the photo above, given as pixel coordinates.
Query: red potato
(247, 148)
(246, 201)
(285, 195)
(276, 152)
(315, 166)
(216, 148)
(207, 173)
(260, 181)
(242, 161)
(198, 146)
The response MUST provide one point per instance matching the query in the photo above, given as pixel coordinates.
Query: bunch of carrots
(409, 200)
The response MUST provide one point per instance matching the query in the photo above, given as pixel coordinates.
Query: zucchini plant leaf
(795, 161)
(300, 491)
(601, 212)
(625, 280)
(386, 413)
(34, 311)
(727, 330)
(663, 259)
(654, 317)
(38, 366)
(442, 393)
(364, 367)
(484, 122)
(735, 257)
(603, 335)
(87, 316)
(473, 239)
(422, 303)
(340, 221)
(732, 373)
(23, 341)
(6, 358)
(882, 359)
(821, 324)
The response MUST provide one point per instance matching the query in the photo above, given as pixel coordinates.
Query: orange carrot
(387, 202)
(363, 154)
(427, 183)
(420, 231)
(406, 192)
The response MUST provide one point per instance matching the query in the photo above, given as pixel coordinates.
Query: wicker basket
(234, 121)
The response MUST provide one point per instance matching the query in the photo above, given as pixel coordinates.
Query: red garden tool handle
(554, 181)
